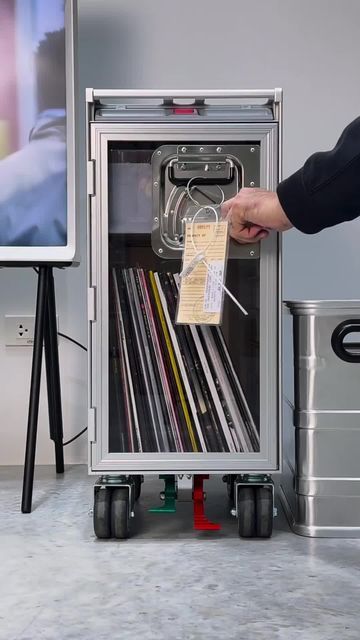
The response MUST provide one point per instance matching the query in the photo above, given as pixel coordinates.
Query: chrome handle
(345, 351)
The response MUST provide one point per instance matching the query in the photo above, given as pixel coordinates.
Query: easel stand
(45, 334)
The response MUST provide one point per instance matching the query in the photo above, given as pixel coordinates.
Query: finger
(226, 206)
(248, 234)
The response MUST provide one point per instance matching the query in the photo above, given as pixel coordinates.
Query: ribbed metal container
(325, 413)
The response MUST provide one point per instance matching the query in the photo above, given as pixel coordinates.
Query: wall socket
(19, 330)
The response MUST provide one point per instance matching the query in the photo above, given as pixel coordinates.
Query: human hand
(252, 213)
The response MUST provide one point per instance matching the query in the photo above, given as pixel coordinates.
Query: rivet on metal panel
(219, 149)
(202, 149)
(233, 512)
(252, 149)
(161, 251)
(252, 184)
(183, 149)
(158, 153)
(156, 219)
(252, 253)
(156, 184)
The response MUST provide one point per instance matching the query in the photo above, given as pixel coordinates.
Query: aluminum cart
(181, 401)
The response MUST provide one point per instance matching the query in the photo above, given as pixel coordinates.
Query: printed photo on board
(33, 192)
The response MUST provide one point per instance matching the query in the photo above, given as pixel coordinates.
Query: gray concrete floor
(167, 582)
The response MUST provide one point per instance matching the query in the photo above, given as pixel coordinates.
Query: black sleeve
(326, 191)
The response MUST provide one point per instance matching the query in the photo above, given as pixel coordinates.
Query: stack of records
(176, 389)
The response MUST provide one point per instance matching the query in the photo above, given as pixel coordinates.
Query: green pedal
(169, 494)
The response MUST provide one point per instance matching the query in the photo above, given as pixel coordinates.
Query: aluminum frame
(100, 460)
(59, 254)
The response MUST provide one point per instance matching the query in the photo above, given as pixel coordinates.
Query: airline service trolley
(184, 323)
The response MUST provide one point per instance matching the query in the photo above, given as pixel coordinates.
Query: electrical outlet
(19, 331)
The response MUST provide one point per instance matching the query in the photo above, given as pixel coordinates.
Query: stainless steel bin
(321, 480)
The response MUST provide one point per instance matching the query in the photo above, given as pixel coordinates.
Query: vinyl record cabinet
(180, 401)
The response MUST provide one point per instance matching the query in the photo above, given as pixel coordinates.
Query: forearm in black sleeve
(326, 191)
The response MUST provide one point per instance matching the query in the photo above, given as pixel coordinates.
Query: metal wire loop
(189, 188)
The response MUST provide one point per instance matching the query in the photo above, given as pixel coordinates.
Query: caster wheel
(231, 488)
(246, 512)
(264, 512)
(119, 518)
(102, 508)
(137, 487)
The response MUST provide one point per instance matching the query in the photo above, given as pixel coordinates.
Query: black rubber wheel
(120, 521)
(102, 508)
(264, 512)
(246, 512)
(137, 487)
(231, 487)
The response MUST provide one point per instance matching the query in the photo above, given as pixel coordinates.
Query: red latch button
(184, 111)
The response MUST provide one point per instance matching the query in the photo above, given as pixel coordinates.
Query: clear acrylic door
(173, 388)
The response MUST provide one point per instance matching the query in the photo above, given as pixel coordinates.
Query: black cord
(78, 344)
(65, 444)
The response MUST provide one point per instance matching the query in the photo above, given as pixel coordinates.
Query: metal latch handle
(346, 351)
(273, 95)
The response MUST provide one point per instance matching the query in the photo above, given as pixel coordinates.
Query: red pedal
(201, 523)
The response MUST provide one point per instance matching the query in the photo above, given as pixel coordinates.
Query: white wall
(309, 48)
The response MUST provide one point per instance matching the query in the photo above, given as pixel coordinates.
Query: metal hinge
(91, 177)
(91, 305)
(92, 425)
(89, 93)
(278, 95)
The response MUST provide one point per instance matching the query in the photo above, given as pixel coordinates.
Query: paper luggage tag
(201, 295)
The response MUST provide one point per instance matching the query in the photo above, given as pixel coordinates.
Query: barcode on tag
(213, 289)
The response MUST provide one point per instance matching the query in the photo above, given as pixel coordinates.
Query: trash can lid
(328, 307)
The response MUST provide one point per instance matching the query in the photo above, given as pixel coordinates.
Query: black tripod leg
(28, 480)
(53, 373)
